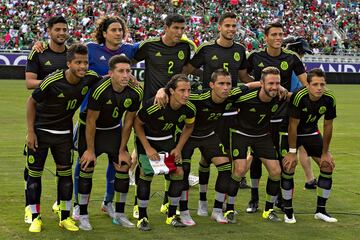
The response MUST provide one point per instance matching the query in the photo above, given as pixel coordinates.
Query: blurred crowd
(330, 27)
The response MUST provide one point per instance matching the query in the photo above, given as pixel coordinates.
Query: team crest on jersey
(274, 108)
(284, 65)
(182, 118)
(31, 159)
(127, 102)
(181, 55)
(322, 110)
(84, 90)
(235, 153)
(228, 106)
(236, 56)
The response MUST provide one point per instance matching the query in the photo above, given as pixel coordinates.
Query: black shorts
(223, 129)
(262, 147)
(60, 146)
(106, 141)
(209, 147)
(312, 143)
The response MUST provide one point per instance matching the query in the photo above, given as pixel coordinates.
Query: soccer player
(256, 108)
(164, 57)
(287, 62)
(49, 121)
(307, 106)
(40, 65)
(224, 53)
(155, 128)
(108, 101)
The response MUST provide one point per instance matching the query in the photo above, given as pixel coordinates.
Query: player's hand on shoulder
(283, 93)
(133, 81)
(39, 46)
(161, 98)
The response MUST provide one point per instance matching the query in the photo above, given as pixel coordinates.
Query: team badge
(84, 90)
(322, 110)
(127, 102)
(31, 159)
(274, 108)
(235, 153)
(228, 106)
(236, 56)
(284, 65)
(181, 55)
(182, 118)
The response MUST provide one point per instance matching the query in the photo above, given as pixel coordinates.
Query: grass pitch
(344, 202)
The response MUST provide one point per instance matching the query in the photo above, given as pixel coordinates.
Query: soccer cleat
(271, 215)
(56, 208)
(193, 180)
(289, 220)
(252, 206)
(164, 208)
(230, 216)
(243, 183)
(84, 223)
(76, 213)
(121, 219)
(218, 216)
(311, 185)
(35, 226)
(69, 224)
(325, 217)
(202, 209)
(136, 212)
(108, 208)
(186, 218)
(143, 224)
(174, 221)
(28, 215)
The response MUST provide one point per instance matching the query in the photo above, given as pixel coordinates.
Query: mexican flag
(165, 165)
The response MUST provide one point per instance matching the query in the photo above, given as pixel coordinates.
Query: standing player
(253, 130)
(155, 128)
(103, 133)
(287, 62)
(49, 120)
(164, 57)
(227, 54)
(307, 106)
(39, 65)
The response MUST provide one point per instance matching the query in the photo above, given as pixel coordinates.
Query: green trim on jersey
(57, 75)
(201, 96)
(100, 89)
(247, 97)
(154, 39)
(191, 43)
(299, 95)
(212, 42)
(257, 51)
(138, 90)
(191, 106)
(92, 73)
(329, 94)
(290, 52)
(150, 110)
(31, 55)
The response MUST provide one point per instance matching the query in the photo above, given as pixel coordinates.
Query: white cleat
(84, 223)
(202, 209)
(291, 220)
(193, 180)
(108, 209)
(76, 213)
(218, 216)
(28, 215)
(325, 217)
(186, 218)
(121, 219)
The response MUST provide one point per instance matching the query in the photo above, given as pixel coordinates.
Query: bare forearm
(327, 135)
(90, 135)
(30, 114)
(126, 130)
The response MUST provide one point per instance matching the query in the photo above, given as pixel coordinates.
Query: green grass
(344, 202)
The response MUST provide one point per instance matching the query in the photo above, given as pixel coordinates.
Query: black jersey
(161, 122)
(161, 63)
(57, 100)
(309, 112)
(46, 62)
(254, 117)
(112, 104)
(209, 112)
(211, 56)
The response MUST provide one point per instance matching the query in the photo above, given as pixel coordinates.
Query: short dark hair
(226, 15)
(315, 72)
(272, 25)
(54, 20)
(269, 70)
(76, 48)
(174, 82)
(219, 72)
(103, 23)
(121, 58)
(174, 18)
